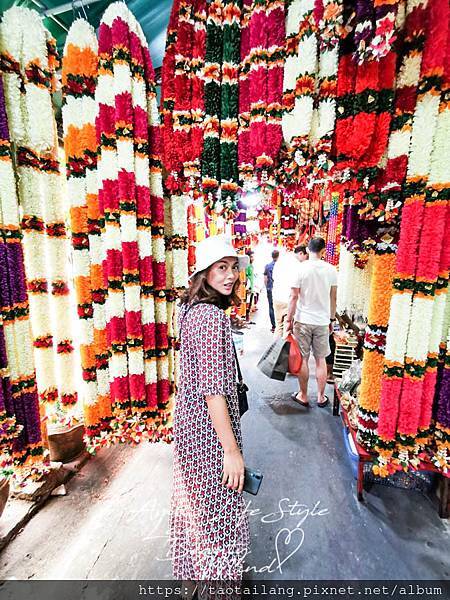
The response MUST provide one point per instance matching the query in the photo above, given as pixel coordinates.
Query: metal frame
(62, 8)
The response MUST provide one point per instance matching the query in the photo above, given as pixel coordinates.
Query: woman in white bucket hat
(208, 523)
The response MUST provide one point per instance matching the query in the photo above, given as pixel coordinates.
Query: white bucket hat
(212, 249)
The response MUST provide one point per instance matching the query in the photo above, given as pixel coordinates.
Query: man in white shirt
(312, 308)
(283, 274)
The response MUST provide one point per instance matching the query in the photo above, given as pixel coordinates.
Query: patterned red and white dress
(209, 531)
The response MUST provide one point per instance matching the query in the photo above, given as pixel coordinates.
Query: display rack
(366, 457)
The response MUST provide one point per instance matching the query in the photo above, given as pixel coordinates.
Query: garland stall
(79, 78)
(386, 211)
(21, 436)
(131, 200)
(406, 347)
(29, 63)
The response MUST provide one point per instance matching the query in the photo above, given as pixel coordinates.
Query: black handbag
(242, 389)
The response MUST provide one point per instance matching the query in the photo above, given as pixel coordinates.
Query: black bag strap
(238, 367)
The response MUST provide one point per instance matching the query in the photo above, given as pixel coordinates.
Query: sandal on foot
(324, 403)
(295, 398)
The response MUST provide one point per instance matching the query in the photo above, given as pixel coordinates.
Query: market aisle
(306, 520)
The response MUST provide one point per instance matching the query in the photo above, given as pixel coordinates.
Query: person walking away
(283, 274)
(268, 282)
(250, 284)
(311, 312)
(209, 534)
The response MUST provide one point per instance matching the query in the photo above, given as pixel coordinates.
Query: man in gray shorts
(312, 308)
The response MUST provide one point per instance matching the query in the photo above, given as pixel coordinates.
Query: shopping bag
(295, 357)
(274, 361)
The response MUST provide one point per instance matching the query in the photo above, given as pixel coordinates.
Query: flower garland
(364, 30)
(229, 172)
(245, 159)
(385, 34)
(210, 163)
(393, 176)
(131, 195)
(353, 285)
(441, 453)
(197, 102)
(79, 78)
(334, 230)
(441, 311)
(265, 64)
(240, 222)
(324, 117)
(29, 56)
(21, 437)
(300, 77)
(374, 343)
(182, 82)
(406, 347)
(170, 154)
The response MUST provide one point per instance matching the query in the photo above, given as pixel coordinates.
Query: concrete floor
(306, 522)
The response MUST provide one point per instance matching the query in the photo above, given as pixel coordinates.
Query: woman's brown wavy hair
(200, 291)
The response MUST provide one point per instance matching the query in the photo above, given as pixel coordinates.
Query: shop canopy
(58, 15)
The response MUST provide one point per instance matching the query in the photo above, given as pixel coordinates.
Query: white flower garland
(41, 200)
(353, 293)
(78, 113)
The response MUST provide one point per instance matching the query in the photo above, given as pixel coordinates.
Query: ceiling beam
(62, 8)
(41, 6)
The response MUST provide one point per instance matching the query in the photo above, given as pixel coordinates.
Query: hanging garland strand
(210, 165)
(182, 117)
(322, 128)
(374, 343)
(30, 58)
(266, 45)
(162, 428)
(20, 429)
(229, 112)
(170, 155)
(79, 74)
(395, 416)
(388, 204)
(198, 85)
(244, 154)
